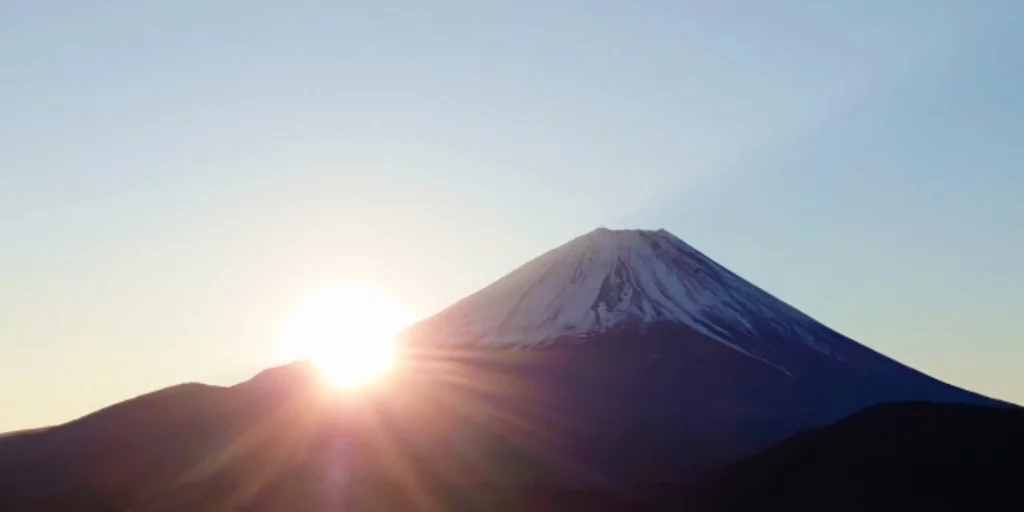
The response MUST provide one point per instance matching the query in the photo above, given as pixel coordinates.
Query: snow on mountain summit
(611, 278)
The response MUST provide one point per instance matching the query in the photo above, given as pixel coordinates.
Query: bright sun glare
(348, 331)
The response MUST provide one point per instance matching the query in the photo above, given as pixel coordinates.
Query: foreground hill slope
(908, 456)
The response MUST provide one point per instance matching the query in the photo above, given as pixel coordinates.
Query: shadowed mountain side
(667, 401)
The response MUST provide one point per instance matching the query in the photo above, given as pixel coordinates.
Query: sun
(348, 331)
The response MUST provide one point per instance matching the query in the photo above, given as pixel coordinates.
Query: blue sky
(176, 176)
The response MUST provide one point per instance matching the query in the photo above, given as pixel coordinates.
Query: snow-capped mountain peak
(611, 278)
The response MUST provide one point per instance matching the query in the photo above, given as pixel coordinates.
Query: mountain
(637, 356)
(603, 375)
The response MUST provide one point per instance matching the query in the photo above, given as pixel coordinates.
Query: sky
(177, 177)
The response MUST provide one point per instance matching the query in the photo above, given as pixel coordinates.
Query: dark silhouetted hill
(907, 456)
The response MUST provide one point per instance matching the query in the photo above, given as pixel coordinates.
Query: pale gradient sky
(176, 177)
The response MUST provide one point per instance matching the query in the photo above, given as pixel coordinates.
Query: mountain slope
(665, 361)
(158, 443)
(608, 278)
